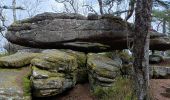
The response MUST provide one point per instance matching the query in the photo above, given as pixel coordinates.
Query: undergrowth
(120, 90)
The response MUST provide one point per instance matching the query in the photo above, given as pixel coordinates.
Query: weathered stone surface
(102, 71)
(160, 71)
(73, 31)
(19, 59)
(53, 72)
(15, 84)
(160, 43)
(81, 57)
(13, 48)
(55, 60)
(153, 59)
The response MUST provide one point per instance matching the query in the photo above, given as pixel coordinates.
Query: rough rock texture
(50, 30)
(53, 72)
(15, 84)
(102, 71)
(160, 71)
(153, 59)
(17, 60)
(74, 31)
(160, 43)
(81, 57)
(13, 48)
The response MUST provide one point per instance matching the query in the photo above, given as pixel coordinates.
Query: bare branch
(90, 8)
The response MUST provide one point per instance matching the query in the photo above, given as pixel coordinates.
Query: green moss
(19, 59)
(119, 53)
(120, 90)
(47, 73)
(26, 86)
(5, 54)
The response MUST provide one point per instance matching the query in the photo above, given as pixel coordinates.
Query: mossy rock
(17, 60)
(15, 84)
(38, 73)
(121, 90)
(102, 71)
(103, 66)
(81, 57)
(51, 86)
(56, 61)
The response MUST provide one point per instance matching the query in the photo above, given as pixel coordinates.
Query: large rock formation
(53, 72)
(102, 70)
(74, 31)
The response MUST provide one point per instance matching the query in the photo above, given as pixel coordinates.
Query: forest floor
(158, 87)
(82, 91)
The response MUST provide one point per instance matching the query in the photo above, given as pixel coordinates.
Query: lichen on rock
(17, 60)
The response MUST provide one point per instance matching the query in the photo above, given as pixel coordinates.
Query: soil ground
(159, 86)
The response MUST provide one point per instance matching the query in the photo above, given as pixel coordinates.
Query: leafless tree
(14, 10)
(32, 7)
(72, 3)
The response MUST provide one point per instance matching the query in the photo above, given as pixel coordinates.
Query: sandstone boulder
(53, 73)
(53, 30)
(153, 59)
(160, 71)
(81, 57)
(74, 31)
(17, 60)
(102, 71)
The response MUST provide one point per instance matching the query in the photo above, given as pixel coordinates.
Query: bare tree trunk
(14, 10)
(141, 48)
(100, 6)
(164, 26)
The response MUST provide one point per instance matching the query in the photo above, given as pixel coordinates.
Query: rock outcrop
(76, 32)
(102, 71)
(50, 30)
(155, 59)
(53, 72)
(17, 60)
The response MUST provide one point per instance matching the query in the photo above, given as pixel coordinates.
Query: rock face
(160, 71)
(51, 30)
(82, 75)
(17, 60)
(13, 48)
(15, 84)
(153, 59)
(102, 71)
(76, 32)
(53, 72)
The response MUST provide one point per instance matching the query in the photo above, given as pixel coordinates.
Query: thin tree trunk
(141, 48)
(100, 6)
(164, 26)
(14, 10)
